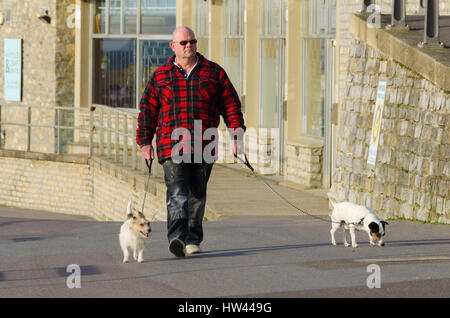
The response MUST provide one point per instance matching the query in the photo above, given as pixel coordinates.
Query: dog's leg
(126, 254)
(353, 236)
(140, 256)
(135, 254)
(345, 237)
(371, 240)
(334, 227)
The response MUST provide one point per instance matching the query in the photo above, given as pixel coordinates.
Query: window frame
(228, 34)
(121, 35)
(310, 28)
(201, 23)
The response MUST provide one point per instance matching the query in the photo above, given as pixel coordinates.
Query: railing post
(108, 134)
(58, 130)
(366, 4)
(117, 140)
(28, 128)
(125, 140)
(100, 132)
(398, 19)
(431, 24)
(91, 131)
(134, 146)
(421, 9)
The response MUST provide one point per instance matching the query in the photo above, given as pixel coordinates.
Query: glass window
(319, 27)
(315, 83)
(123, 56)
(158, 16)
(130, 17)
(319, 17)
(234, 42)
(114, 16)
(273, 20)
(154, 54)
(271, 83)
(99, 16)
(114, 72)
(272, 34)
(201, 29)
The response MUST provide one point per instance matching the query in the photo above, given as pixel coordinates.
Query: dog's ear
(141, 215)
(384, 223)
(374, 228)
(130, 216)
(332, 198)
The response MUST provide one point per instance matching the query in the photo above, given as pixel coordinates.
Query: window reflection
(114, 72)
(100, 16)
(158, 16)
(154, 54)
(114, 16)
(315, 86)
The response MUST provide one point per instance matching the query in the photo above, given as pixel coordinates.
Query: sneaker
(177, 248)
(193, 249)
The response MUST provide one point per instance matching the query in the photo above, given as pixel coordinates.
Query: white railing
(115, 130)
(110, 132)
(29, 125)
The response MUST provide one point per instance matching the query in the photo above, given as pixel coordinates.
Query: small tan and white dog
(355, 217)
(134, 233)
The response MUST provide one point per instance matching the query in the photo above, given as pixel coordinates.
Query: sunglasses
(183, 43)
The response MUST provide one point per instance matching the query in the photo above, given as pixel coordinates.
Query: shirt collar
(181, 69)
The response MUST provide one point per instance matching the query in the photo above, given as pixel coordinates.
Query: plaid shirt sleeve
(172, 100)
(148, 116)
(231, 105)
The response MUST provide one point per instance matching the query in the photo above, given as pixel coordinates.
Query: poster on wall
(376, 124)
(13, 69)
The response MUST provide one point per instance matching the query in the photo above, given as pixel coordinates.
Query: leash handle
(245, 162)
(149, 165)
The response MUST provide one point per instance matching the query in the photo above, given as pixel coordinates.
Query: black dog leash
(248, 165)
(149, 166)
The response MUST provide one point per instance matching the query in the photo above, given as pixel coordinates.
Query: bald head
(182, 30)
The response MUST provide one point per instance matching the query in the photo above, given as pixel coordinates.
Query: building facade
(288, 60)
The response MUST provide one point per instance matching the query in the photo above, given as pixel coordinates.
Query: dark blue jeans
(186, 199)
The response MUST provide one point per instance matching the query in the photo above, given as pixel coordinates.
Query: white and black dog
(133, 235)
(355, 217)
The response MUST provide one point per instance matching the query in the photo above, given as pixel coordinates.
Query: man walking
(185, 98)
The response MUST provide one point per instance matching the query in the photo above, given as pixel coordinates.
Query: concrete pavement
(258, 248)
(235, 191)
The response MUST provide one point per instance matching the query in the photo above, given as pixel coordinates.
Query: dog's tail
(129, 210)
(332, 199)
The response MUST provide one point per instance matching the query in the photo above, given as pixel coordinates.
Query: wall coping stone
(432, 63)
(63, 157)
(305, 142)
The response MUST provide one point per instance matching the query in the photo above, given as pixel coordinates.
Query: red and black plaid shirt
(171, 100)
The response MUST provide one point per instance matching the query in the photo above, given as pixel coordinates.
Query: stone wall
(29, 180)
(74, 184)
(412, 175)
(77, 184)
(47, 70)
(304, 163)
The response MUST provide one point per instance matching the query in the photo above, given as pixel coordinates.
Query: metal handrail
(104, 121)
(30, 125)
(120, 130)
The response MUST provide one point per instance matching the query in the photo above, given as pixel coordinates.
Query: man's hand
(148, 152)
(236, 147)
